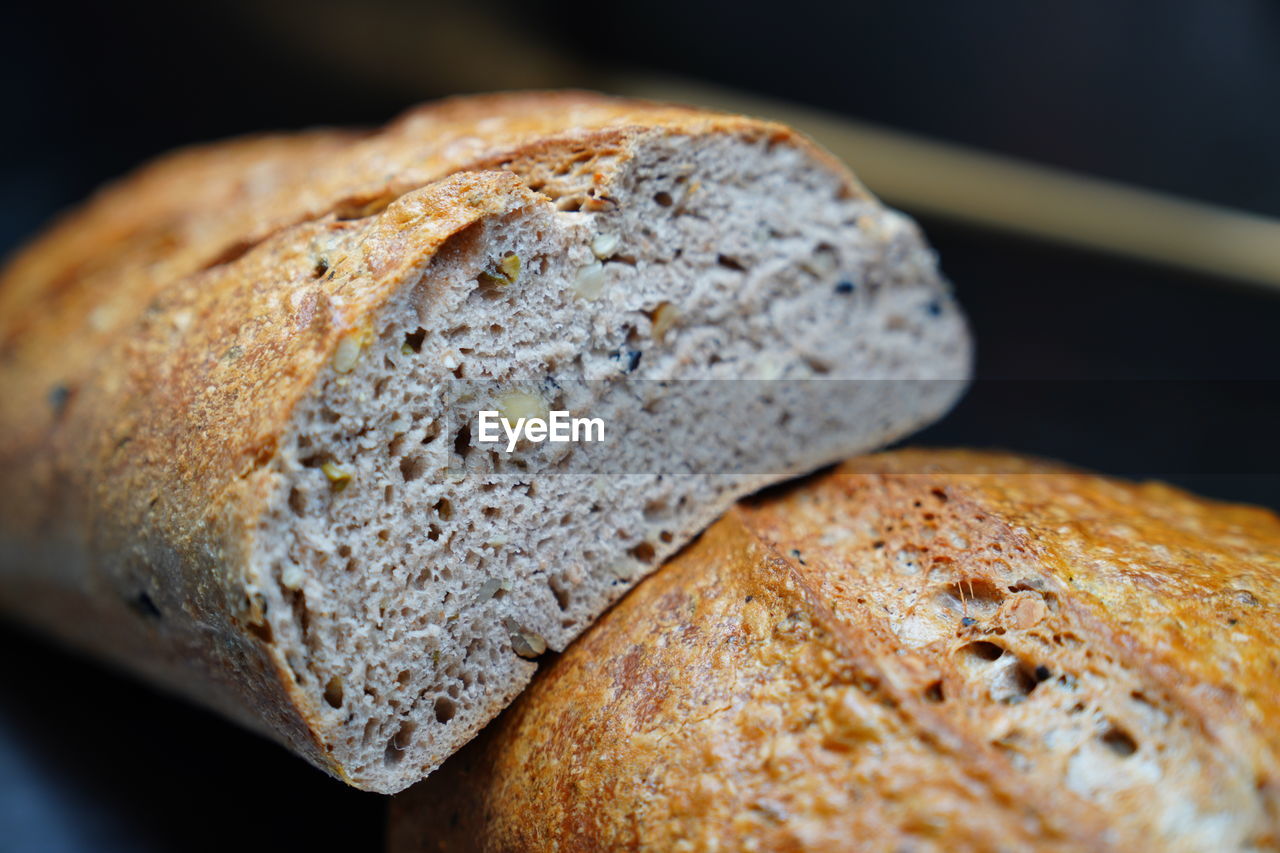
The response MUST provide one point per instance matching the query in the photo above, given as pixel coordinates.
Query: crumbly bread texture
(225, 421)
(922, 650)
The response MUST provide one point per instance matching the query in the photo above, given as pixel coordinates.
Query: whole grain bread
(921, 650)
(226, 387)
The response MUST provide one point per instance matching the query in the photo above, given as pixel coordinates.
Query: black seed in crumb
(1232, 621)
(322, 267)
(934, 308)
(845, 287)
(750, 598)
(630, 356)
(1042, 673)
(795, 552)
(968, 620)
(58, 396)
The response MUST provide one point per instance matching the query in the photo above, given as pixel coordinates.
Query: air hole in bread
(360, 208)
(1066, 639)
(490, 289)
(980, 650)
(644, 552)
(819, 367)
(413, 340)
(398, 743)
(412, 467)
(444, 509)
(333, 693)
(462, 441)
(657, 510)
(1006, 677)
(1119, 741)
(560, 591)
(973, 597)
(907, 560)
(1013, 683)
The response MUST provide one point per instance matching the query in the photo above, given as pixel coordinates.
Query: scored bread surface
(223, 413)
(922, 650)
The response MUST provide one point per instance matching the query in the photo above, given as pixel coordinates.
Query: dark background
(1127, 368)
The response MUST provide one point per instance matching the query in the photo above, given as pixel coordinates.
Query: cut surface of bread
(923, 650)
(233, 384)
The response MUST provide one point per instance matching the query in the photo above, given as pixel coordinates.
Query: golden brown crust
(818, 672)
(153, 345)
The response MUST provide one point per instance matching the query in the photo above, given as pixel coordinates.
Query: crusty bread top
(177, 233)
(205, 204)
(920, 650)
(1198, 581)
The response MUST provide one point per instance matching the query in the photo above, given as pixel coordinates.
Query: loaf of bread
(229, 397)
(922, 650)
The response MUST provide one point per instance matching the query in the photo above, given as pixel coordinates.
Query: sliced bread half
(240, 393)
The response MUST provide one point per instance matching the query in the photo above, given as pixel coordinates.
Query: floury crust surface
(231, 463)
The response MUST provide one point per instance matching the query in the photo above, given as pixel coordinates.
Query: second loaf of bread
(922, 650)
